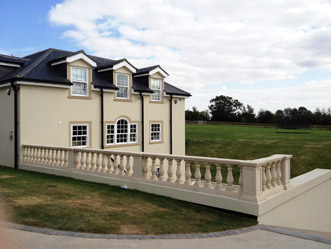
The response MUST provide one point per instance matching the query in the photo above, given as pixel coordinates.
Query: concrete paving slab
(258, 238)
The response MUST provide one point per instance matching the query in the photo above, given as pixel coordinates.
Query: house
(72, 99)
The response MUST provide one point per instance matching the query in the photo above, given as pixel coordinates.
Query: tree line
(226, 109)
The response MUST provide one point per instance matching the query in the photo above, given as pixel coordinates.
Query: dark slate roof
(170, 89)
(148, 69)
(12, 59)
(37, 67)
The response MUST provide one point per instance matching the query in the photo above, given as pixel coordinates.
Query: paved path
(256, 237)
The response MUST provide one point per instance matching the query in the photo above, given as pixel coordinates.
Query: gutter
(142, 123)
(170, 124)
(102, 120)
(16, 152)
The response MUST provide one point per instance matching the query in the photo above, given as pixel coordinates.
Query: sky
(268, 54)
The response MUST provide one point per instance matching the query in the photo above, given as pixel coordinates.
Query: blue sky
(270, 55)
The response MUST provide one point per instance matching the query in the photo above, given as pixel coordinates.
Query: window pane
(79, 135)
(156, 87)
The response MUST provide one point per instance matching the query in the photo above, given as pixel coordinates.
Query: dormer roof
(41, 67)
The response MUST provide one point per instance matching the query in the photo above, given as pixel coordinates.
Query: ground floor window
(156, 134)
(80, 135)
(121, 132)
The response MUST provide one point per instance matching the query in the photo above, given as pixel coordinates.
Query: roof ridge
(14, 57)
(34, 64)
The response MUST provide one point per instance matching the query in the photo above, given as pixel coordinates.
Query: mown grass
(310, 150)
(65, 204)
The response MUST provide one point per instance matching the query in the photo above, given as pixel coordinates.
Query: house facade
(71, 99)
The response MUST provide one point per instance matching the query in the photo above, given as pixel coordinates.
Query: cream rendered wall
(178, 126)
(309, 206)
(6, 128)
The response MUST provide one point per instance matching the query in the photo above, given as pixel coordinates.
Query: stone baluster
(229, 178)
(25, 154)
(93, 161)
(208, 176)
(104, 163)
(42, 156)
(110, 164)
(162, 171)
(27, 157)
(88, 161)
(264, 178)
(54, 157)
(188, 173)
(145, 168)
(65, 160)
(46, 156)
(122, 167)
(268, 175)
(77, 159)
(197, 175)
(35, 152)
(273, 174)
(50, 157)
(83, 160)
(179, 172)
(219, 177)
(171, 177)
(154, 176)
(279, 173)
(240, 177)
(62, 158)
(116, 170)
(99, 165)
(129, 171)
(38, 155)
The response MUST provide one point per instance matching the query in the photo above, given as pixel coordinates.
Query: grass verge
(60, 203)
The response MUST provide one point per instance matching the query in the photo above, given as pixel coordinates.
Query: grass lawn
(309, 150)
(65, 204)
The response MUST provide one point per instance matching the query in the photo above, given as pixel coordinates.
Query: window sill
(121, 145)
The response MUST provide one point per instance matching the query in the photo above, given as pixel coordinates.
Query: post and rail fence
(256, 179)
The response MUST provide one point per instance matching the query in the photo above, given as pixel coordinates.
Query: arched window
(122, 132)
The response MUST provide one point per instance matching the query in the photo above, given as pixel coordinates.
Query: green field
(310, 150)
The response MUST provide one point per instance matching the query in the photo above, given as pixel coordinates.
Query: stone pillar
(252, 183)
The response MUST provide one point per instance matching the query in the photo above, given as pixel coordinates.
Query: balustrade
(231, 177)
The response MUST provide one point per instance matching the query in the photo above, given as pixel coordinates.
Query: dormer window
(79, 78)
(156, 86)
(123, 84)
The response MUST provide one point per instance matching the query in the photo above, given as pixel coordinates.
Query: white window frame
(128, 134)
(154, 89)
(87, 135)
(80, 81)
(160, 132)
(128, 87)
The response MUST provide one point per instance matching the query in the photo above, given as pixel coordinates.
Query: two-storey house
(71, 99)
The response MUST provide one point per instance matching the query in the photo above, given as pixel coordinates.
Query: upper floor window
(122, 82)
(122, 132)
(156, 86)
(79, 79)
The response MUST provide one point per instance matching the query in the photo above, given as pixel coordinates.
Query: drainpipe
(170, 124)
(142, 123)
(16, 152)
(102, 121)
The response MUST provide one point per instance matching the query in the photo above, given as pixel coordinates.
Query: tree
(196, 115)
(248, 115)
(225, 108)
(265, 116)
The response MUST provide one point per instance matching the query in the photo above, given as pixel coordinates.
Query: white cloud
(205, 43)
